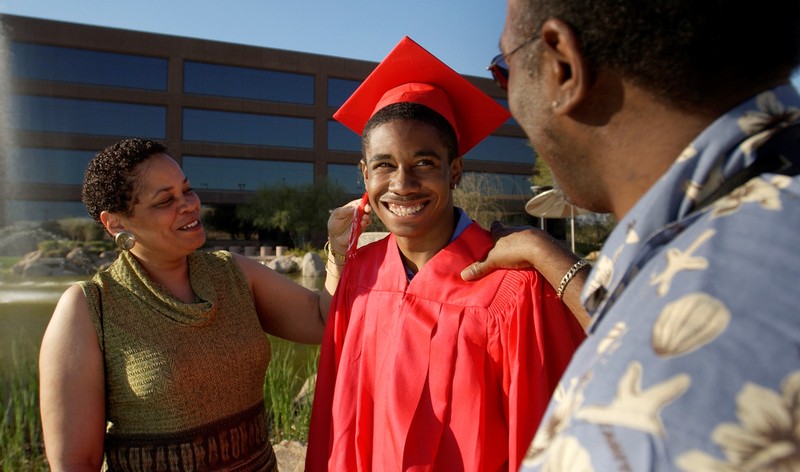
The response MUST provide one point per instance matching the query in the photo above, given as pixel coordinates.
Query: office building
(235, 117)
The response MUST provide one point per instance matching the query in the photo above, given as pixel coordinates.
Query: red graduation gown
(438, 373)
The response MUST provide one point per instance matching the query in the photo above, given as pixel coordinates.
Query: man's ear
(112, 222)
(363, 165)
(565, 65)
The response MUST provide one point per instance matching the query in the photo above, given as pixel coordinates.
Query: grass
(7, 264)
(288, 389)
(22, 447)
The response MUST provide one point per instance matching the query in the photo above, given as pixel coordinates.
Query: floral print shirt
(693, 358)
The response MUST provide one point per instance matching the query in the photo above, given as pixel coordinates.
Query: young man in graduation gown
(420, 370)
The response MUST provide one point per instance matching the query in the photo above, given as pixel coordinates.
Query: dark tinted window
(242, 82)
(502, 149)
(347, 176)
(341, 138)
(41, 210)
(504, 103)
(339, 90)
(64, 115)
(245, 174)
(247, 128)
(49, 166)
(60, 64)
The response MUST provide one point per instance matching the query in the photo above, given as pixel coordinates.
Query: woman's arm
(285, 308)
(522, 248)
(71, 387)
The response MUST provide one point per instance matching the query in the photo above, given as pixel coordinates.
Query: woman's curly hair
(110, 178)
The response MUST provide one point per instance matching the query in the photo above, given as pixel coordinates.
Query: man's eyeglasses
(499, 66)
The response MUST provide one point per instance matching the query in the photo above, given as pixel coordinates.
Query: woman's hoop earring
(124, 240)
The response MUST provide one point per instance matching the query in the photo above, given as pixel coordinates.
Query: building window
(346, 176)
(502, 149)
(504, 104)
(48, 166)
(242, 82)
(64, 115)
(62, 64)
(491, 183)
(39, 210)
(342, 138)
(247, 128)
(220, 173)
(339, 90)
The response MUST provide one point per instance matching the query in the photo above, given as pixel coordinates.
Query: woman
(159, 361)
(420, 370)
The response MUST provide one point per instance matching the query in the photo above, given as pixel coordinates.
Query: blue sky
(462, 33)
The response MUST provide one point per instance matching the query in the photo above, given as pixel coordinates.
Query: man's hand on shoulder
(515, 248)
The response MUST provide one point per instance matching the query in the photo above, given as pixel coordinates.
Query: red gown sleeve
(320, 428)
(542, 337)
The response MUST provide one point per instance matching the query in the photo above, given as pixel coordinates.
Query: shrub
(81, 229)
(56, 248)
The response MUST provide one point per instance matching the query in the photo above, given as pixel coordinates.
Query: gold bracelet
(569, 275)
(338, 258)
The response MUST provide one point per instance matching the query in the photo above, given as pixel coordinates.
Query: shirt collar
(462, 222)
(725, 147)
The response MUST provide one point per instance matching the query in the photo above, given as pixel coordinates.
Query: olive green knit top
(170, 366)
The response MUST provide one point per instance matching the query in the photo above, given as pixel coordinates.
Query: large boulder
(283, 265)
(312, 265)
(78, 261)
(34, 264)
(21, 239)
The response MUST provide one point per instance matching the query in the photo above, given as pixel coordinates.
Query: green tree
(224, 218)
(302, 212)
(542, 175)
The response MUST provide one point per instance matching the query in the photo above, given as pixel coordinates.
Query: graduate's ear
(363, 165)
(455, 172)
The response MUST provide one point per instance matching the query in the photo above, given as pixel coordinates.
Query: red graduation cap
(411, 74)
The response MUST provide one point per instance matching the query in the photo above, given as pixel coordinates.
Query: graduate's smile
(405, 209)
(407, 173)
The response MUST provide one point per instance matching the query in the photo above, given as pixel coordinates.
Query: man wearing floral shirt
(678, 118)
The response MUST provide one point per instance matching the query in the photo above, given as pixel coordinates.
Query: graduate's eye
(382, 165)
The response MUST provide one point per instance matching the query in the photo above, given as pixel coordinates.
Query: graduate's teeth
(401, 210)
(191, 225)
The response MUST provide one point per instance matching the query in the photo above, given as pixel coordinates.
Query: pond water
(25, 309)
(27, 304)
